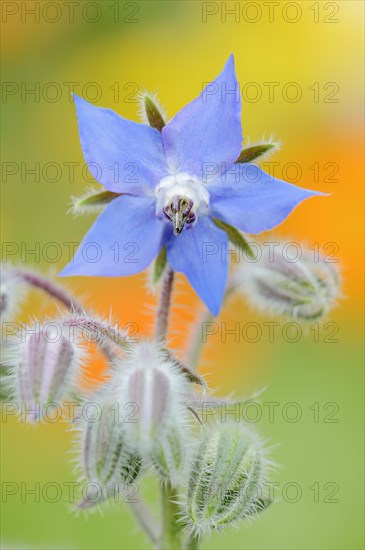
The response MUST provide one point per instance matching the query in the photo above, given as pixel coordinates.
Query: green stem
(192, 543)
(171, 528)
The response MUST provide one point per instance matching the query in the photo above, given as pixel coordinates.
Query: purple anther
(167, 212)
(188, 208)
(175, 206)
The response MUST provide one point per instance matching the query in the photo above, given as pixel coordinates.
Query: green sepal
(191, 375)
(262, 504)
(153, 114)
(254, 152)
(235, 237)
(159, 266)
(98, 199)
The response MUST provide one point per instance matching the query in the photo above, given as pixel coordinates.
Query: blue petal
(124, 240)
(205, 137)
(200, 253)
(124, 156)
(252, 200)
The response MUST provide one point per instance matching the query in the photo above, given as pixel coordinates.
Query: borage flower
(173, 184)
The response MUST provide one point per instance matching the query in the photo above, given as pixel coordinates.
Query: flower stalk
(163, 311)
(171, 530)
(171, 537)
(55, 291)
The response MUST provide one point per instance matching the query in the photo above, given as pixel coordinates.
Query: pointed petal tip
(231, 58)
(215, 309)
(78, 98)
(230, 66)
(313, 193)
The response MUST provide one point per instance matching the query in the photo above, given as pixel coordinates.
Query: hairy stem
(163, 311)
(51, 289)
(171, 529)
(192, 543)
(106, 334)
(73, 305)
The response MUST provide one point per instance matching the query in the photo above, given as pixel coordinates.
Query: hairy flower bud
(226, 479)
(168, 456)
(5, 369)
(107, 457)
(301, 286)
(150, 385)
(45, 369)
(12, 293)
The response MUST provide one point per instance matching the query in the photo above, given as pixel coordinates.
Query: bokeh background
(173, 47)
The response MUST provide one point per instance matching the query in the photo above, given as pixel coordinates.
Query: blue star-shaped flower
(183, 177)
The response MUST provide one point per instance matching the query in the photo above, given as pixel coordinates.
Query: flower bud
(107, 458)
(151, 386)
(152, 382)
(226, 479)
(5, 369)
(300, 286)
(45, 370)
(168, 457)
(12, 293)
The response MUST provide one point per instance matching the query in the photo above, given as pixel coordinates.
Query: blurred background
(300, 65)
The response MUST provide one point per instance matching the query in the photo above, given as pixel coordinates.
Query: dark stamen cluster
(179, 211)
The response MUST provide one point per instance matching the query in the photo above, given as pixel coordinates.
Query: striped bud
(155, 391)
(107, 459)
(45, 370)
(226, 479)
(301, 286)
(168, 456)
(5, 370)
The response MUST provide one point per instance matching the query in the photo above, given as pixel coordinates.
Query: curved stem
(35, 280)
(106, 333)
(163, 311)
(73, 305)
